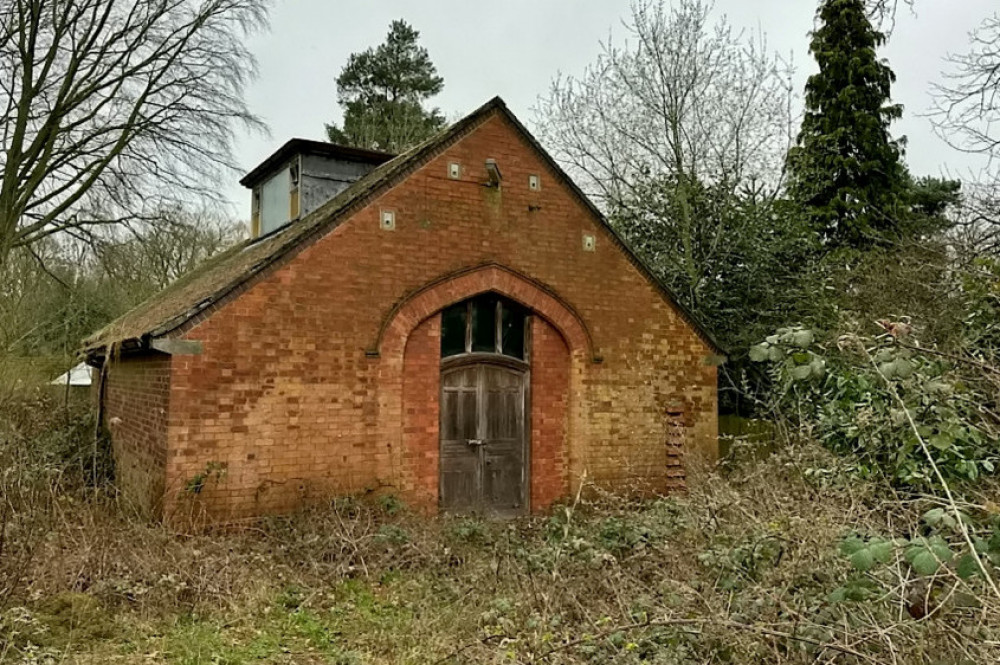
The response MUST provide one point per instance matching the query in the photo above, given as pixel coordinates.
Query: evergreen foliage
(846, 169)
(741, 259)
(382, 91)
(735, 256)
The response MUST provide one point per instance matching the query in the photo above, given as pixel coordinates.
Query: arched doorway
(485, 370)
(558, 351)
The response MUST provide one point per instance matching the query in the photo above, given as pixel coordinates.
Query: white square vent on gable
(454, 170)
(589, 242)
(534, 183)
(388, 222)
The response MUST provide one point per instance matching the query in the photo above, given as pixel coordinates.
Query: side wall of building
(294, 398)
(136, 413)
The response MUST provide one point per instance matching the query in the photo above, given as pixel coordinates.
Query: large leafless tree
(680, 97)
(114, 109)
(674, 132)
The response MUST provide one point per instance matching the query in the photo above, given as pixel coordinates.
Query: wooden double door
(484, 451)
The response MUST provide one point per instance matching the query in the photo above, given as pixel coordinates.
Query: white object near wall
(78, 377)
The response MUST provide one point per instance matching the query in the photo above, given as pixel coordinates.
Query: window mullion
(498, 327)
(468, 327)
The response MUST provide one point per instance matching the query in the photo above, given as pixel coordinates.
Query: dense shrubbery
(48, 454)
(924, 421)
(895, 409)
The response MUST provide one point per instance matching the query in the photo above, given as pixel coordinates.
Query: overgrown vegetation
(792, 559)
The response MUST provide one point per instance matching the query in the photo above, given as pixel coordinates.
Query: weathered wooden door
(483, 459)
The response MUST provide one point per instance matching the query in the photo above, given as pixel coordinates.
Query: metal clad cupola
(301, 176)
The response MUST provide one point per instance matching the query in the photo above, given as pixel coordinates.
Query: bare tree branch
(966, 111)
(683, 98)
(114, 109)
(883, 13)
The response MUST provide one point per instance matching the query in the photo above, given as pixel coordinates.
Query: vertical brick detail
(550, 371)
(421, 415)
(675, 442)
(136, 397)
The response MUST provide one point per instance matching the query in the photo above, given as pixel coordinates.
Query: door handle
(475, 442)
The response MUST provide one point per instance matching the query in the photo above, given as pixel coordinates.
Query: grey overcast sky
(513, 48)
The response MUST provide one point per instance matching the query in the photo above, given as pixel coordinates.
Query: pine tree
(382, 91)
(845, 169)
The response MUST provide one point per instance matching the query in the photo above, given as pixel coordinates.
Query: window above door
(486, 324)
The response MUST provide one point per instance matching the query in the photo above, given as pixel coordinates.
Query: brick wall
(300, 389)
(550, 368)
(136, 397)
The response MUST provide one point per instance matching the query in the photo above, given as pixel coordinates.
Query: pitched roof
(221, 275)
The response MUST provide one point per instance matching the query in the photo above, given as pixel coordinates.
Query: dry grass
(738, 570)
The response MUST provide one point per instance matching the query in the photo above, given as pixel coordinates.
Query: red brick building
(458, 326)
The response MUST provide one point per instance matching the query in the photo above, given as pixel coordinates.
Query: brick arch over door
(456, 287)
(409, 382)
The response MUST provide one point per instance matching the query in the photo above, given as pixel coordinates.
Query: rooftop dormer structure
(301, 176)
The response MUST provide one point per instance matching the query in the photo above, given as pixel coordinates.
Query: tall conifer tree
(382, 91)
(846, 169)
